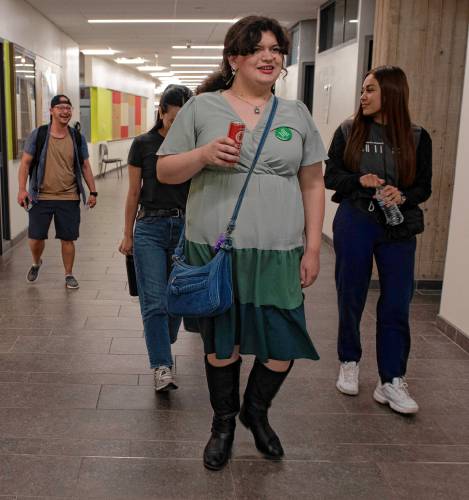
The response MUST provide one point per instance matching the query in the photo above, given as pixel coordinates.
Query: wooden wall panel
(428, 38)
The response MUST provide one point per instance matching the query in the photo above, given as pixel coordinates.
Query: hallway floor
(79, 418)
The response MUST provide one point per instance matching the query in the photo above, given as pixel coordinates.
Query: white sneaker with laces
(347, 383)
(164, 380)
(396, 395)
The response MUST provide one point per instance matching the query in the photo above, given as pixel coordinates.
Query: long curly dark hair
(241, 40)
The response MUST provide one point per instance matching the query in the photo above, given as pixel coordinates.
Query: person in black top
(157, 229)
(378, 153)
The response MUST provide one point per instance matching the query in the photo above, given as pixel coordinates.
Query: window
(351, 21)
(337, 23)
(25, 97)
(294, 46)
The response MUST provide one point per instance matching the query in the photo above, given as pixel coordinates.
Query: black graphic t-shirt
(378, 156)
(154, 195)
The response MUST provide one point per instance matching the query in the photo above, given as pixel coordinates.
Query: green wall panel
(101, 114)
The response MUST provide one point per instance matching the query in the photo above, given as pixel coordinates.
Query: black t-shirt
(378, 156)
(154, 195)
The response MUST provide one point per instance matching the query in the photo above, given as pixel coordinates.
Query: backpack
(41, 140)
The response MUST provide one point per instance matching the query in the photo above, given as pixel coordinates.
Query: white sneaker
(347, 382)
(396, 395)
(164, 380)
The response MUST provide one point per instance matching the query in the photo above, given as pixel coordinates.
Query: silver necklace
(257, 109)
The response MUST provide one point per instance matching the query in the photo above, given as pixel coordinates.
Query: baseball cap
(60, 99)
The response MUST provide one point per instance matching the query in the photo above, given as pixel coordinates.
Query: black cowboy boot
(263, 384)
(223, 385)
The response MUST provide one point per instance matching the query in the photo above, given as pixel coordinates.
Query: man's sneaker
(396, 395)
(33, 273)
(347, 382)
(71, 282)
(164, 379)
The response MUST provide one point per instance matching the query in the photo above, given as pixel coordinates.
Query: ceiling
(146, 40)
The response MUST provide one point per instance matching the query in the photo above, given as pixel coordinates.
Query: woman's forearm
(133, 196)
(179, 168)
(312, 190)
(131, 206)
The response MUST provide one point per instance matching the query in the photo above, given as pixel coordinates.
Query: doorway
(308, 85)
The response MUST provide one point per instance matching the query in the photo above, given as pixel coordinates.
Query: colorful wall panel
(116, 115)
(101, 114)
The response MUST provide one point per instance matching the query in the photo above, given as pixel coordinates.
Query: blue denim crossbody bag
(204, 291)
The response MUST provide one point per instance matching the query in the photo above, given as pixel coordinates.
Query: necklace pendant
(257, 110)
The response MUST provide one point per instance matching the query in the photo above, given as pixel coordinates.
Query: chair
(104, 161)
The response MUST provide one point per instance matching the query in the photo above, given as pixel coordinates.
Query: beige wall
(106, 74)
(110, 75)
(428, 40)
(337, 82)
(455, 296)
(288, 87)
(334, 101)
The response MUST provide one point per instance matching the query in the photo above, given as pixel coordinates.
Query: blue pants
(155, 239)
(357, 238)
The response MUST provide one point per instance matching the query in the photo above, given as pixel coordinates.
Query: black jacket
(346, 183)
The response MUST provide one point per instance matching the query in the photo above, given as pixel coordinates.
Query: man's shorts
(66, 219)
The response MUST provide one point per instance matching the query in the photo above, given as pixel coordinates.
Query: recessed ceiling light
(190, 46)
(135, 60)
(151, 68)
(192, 72)
(99, 52)
(353, 20)
(194, 65)
(28, 71)
(164, 73)
(152, 21)
(217, 58)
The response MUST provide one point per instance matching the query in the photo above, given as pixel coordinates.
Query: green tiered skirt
(267, 318)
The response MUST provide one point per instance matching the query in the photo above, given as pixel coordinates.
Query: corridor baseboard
(453, 333)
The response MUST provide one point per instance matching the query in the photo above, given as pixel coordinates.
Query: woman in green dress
(278, 233)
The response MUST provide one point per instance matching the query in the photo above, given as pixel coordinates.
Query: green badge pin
(283, 133)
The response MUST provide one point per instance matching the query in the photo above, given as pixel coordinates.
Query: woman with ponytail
(158, 225)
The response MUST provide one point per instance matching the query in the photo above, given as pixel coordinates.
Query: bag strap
(224, 241)
(232, 224)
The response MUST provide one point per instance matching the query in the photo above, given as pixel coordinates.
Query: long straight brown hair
(395, 111)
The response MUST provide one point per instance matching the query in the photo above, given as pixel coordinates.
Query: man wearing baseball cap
(55, 158)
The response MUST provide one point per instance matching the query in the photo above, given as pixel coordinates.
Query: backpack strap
(40, 141)
(78, 138)
(346, 128)
(417, 131)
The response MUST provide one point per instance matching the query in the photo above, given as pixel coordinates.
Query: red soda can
(236, 132)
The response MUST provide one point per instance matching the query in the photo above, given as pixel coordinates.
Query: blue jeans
(155, 239)
(357, 238)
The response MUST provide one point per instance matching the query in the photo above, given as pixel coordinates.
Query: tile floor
(79, 418)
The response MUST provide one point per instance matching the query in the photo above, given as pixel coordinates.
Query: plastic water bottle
(392, 213)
